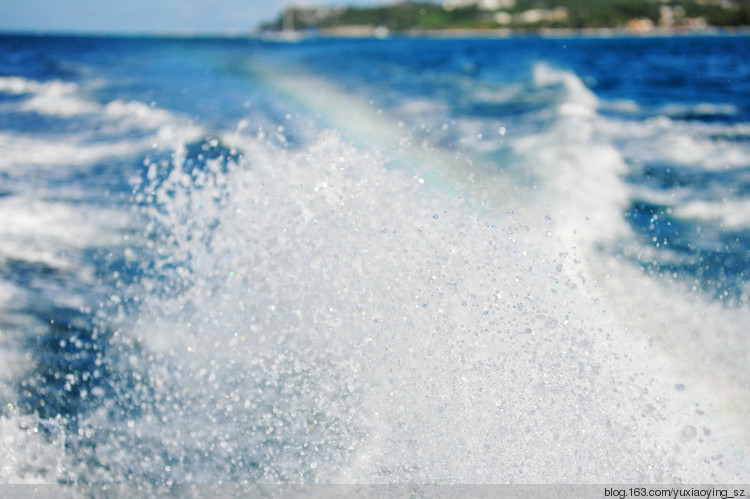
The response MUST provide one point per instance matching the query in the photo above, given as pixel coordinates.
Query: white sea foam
(23, 152)
(424, 341)
(707, 146)
(11, 356)
(699, 109)
(15, 85)
(417, 108)
(172, 130)
(724, 213)
(574, 177)
(492, 94)
(36, 230)
(31, 452)
(688, 149)
(54, 98)
(316, 316)
(65, 99)
(578, 99)
(48, 233)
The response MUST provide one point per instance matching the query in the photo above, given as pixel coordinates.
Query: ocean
(408, 260)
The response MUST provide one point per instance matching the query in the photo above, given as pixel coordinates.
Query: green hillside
(521, 14)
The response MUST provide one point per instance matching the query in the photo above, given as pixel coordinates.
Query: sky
(146, 16)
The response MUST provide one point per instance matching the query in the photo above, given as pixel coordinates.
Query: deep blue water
(224, 259)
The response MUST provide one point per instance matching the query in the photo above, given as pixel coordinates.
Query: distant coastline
(508, 33)
(504, 18)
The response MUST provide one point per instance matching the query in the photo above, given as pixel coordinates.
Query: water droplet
(688, 433)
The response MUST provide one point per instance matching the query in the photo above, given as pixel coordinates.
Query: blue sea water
(408, 260)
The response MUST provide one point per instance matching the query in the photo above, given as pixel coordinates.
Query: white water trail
(315, 316)
(386, 331)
